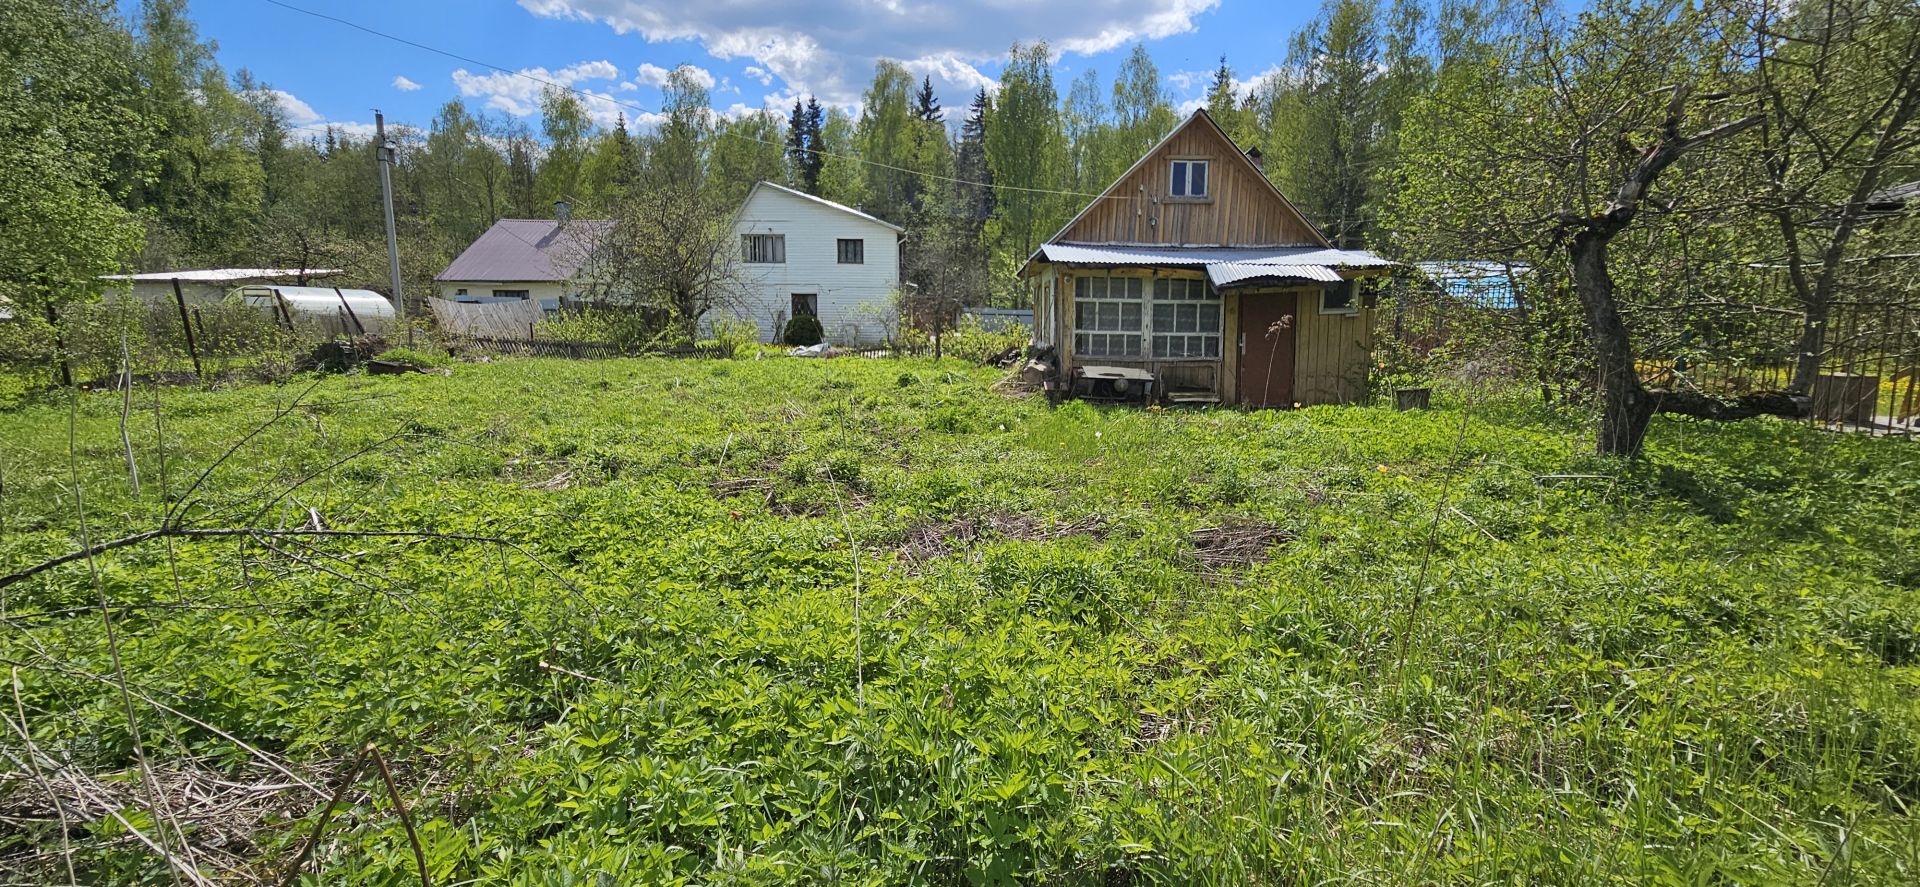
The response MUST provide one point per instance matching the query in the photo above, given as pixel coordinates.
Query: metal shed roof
(224, 275)
(527, 250)
(1225, 266)
(1482, 283)
(1202, 256)
(1223, 274)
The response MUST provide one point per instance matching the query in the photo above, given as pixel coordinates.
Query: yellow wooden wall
(1332, 353)
(1243, 210)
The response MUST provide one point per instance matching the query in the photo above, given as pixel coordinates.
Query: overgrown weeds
(1094, 644)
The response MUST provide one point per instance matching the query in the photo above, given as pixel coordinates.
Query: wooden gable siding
(1243, 211)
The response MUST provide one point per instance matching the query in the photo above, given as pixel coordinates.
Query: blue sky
(758, 53)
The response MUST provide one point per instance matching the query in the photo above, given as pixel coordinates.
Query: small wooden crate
(1845, 397)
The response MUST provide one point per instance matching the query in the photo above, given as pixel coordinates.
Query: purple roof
(526, 250)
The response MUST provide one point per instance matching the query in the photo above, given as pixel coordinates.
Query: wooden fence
(1869, 364)
(502, 320)
(578, 350)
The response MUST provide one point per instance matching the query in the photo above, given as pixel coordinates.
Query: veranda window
(1186, 319)
(1107, 316)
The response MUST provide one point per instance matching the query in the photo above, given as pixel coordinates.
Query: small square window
(853, 251)
(806, 304)
(1338, 299)
(1188, 179)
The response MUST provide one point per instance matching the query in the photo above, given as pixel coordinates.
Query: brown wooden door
(1267, 325)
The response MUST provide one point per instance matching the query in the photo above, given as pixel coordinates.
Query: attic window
(1189, 179)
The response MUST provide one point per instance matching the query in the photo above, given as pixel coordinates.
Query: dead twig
(172, 531)
(39, 776)
(400, 804)
(326, 816)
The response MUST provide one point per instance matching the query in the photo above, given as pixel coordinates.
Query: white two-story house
(800, 254)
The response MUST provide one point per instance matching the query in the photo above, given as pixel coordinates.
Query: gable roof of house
(529, 250)
(819, 200)
(1224, 265)
(1200, 117)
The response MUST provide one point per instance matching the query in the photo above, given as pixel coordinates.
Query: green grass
(864, 621)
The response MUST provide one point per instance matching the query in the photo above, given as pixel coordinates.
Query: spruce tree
(926, 107)
(804, 143)
(1224, 105)
(971, 167)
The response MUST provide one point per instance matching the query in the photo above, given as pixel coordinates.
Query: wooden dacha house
(1195, 276)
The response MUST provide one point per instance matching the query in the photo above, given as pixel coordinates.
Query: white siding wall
(851, 296)
(448, 289)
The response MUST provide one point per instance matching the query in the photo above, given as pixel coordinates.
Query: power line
(644, 110)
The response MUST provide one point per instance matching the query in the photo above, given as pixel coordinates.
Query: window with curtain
(768, 249)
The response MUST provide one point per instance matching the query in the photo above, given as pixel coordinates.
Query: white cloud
(1195, 85)
(402, 83)
(518, 93)
(828, 47)
(654, 75)
(350, 128)
(298, 113)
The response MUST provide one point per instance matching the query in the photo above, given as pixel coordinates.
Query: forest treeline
(1499, 130)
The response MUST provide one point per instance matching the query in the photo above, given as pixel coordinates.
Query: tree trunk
(1626, 408)
(1812, 345)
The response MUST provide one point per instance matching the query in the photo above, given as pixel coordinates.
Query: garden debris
(736, 486)
(1156, 727)
(937, 539)
(1237, 542)
(227, 811)
(1006, 359)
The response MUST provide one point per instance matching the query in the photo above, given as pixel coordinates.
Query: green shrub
(736, 335)
(803, 330)
(626, 326)
(974, 343)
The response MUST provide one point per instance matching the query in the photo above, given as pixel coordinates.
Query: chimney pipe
(1259, 160)
(563, 212)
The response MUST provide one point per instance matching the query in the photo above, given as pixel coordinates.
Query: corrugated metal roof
(224, 275)
(527, 250)
(1230, 273)
(1487, 284)
(1895, 194)
(1202, 256)
(1225, 266)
